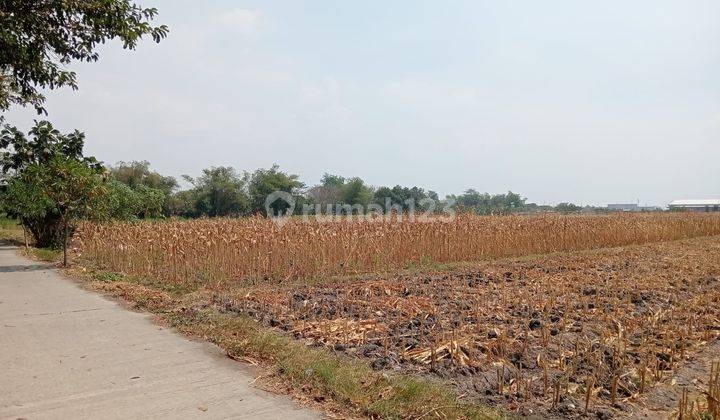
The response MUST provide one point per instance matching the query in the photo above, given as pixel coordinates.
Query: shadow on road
(10, 243)
(20, 268)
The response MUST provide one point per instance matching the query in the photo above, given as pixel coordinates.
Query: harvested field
(561, 334)
(258, 250)
(549, 334)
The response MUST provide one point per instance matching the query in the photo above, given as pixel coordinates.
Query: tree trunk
(65, 242)
(25, 236)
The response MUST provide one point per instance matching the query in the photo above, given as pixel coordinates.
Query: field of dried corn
(258, 250)
(561, 334)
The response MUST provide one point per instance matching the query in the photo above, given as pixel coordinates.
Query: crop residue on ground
(555, 333)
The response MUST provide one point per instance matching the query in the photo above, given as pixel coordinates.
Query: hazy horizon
(557, 101)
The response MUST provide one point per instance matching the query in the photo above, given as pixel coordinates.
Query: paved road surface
(66, 353)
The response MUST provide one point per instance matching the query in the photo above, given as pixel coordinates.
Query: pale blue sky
(591, 102)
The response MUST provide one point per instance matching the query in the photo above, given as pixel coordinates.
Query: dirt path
(69, 353)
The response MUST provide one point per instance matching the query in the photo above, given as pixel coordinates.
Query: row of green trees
(224, 191)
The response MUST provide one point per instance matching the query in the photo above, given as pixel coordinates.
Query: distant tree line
(132, 190)
(225, 192)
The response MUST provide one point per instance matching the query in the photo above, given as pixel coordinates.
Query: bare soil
(663, 399)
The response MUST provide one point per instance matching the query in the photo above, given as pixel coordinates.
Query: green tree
(150, 202)
(329, 180)
(148, 185)
(327, 193)
(219, 191)
(490, 204)
(404, 198)
(182, 203)
(355, 192)
(138, 173)
(28, 164)
(264, 182)
(26, 202)
(567, 208)
(473, 200)
(45, 144)
(384, 196)
(124, 203)
(513, 202)
(64, 188)
(119, 202)
(39, 38)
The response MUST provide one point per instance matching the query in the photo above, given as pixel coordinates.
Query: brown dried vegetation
(562, 334)
(593, 330)
(258, 250)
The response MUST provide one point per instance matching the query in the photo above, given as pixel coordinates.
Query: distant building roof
(695, 203)
(631, 206)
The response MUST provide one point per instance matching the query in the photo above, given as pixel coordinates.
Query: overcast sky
(590, 102)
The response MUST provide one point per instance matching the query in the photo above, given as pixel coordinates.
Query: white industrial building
(631, 207)
(623, 207)
(695, 205)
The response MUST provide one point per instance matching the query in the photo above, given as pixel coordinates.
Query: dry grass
(10, 231)
(257, 250)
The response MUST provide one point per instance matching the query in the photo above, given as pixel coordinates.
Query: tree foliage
(327, 193)
(330, 180)
(152, 191)
(490, 203)
(39, 38)
(219, 191)
(121, 202)
(568, 208)
(264, 182)
(48, 197)
(182, 204)
(48, 181)
(355, 192)
(137, 173)
(403, 198)
(45, 143)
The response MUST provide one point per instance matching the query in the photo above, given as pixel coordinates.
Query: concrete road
(66, 353)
